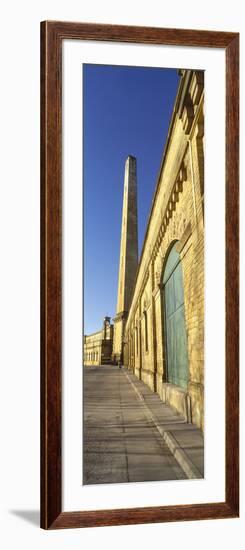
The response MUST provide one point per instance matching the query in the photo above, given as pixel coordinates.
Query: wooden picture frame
(52, 35)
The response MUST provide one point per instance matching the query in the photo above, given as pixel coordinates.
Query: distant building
(159, 323)
(98, 346)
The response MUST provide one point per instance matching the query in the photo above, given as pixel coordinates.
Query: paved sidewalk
(184, 440)
(130, 435)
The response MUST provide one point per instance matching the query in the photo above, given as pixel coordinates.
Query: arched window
(175, 338)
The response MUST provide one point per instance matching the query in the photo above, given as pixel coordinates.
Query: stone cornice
(146, 277)
(171, 205)
(121, 315)
(93, 336)
(191, 94)
(198, 123)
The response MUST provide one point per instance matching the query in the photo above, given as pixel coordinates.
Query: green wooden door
(175, 329)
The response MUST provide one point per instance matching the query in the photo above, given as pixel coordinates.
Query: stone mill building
(158, 328)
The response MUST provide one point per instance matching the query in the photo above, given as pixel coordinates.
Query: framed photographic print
(139, 275)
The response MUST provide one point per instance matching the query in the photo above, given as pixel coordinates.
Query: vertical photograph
(143, 264)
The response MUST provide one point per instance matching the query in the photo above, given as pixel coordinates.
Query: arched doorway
(174, 317)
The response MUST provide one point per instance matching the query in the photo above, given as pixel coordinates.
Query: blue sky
(127, 111)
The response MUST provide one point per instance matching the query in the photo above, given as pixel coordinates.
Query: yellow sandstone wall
(97, 347)
(92, 349)
(177, 216)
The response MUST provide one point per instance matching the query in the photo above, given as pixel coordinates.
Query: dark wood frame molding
(52, 34)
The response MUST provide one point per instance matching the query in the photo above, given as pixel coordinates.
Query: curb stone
(177, 451)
